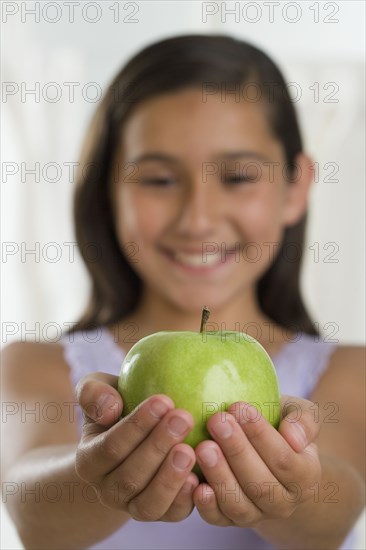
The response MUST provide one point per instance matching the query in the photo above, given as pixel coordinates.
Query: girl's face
(201, 199)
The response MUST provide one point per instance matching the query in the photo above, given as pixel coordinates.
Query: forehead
(185, 123)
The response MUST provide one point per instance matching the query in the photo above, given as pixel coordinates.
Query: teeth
(196, 260)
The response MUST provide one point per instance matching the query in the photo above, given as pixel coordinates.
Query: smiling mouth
(199, 261)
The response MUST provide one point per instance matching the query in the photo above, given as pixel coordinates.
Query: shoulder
(354, 354)
(346, 364)
(32, 365)
(345, 370)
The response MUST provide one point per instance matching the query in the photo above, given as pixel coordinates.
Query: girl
(193, 187)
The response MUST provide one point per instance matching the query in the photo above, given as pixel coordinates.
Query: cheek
(260, 217)
(139, 219)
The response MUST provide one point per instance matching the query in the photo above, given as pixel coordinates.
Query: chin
(193, 302)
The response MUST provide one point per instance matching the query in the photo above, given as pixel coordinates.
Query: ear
(297, 190)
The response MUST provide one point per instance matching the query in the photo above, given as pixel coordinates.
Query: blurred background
(57, 61)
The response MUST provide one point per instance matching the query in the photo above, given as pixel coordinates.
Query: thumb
(298, 425)
(99, 399)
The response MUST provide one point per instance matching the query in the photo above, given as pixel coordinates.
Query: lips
(197, 260)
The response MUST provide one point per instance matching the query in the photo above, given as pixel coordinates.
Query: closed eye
(158, 181)
(239, 179)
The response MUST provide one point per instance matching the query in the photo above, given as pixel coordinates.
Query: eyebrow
(163, 157)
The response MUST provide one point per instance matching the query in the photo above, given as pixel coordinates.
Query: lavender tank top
(299, 366)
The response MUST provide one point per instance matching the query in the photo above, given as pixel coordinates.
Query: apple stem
(204, 318)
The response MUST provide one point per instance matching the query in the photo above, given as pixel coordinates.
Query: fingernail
(223, 429)
(158, 408)
(299, 433)
(181, 460)
(104, 402)
(248, 413)
(177, 426)
(208, 456)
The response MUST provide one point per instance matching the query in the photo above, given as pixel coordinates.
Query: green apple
(202, 372)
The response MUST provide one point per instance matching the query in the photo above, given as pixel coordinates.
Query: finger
(230, 497)
(298, 426)
(101, 454)
(280, 458)
(182, 506)
(144, 462)
(250, 471)
(99, 399)
(204, 498)
(156, 499)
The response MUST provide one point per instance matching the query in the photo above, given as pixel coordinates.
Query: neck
(243, 314)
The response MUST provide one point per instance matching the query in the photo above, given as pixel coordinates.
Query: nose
(201, 208)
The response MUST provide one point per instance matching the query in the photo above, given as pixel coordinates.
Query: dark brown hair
(170, 65)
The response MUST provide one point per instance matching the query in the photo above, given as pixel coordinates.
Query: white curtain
(45, 290)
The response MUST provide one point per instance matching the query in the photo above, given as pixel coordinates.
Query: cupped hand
(253, 471)
(137, 464)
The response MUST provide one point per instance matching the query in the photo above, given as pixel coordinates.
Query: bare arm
(47, 501)
(306, 495)
(338, 499)
(121, 468)
(323, 521)
(52, 506)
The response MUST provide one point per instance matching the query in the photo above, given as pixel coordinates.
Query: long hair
(170, 65)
